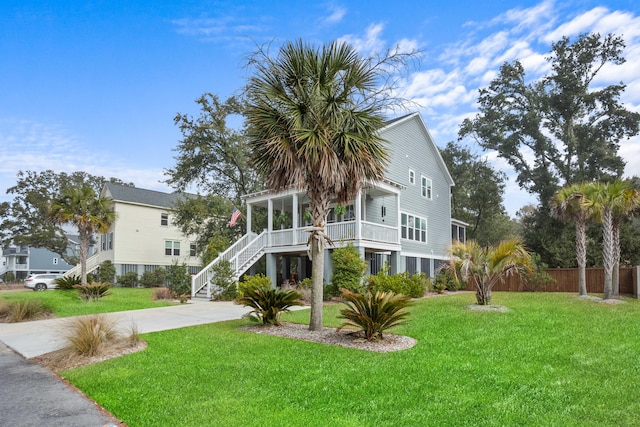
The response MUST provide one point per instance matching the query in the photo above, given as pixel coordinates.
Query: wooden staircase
(241, 256)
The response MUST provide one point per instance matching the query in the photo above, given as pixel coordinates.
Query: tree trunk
(616, 259)
(317, 289)
(581, 255)
(608, 253)
(84, 251)
(483, 294)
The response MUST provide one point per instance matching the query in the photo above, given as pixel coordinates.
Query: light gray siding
(411, 147)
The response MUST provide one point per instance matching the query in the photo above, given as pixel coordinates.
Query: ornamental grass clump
(20, 311)
(373, 313)
(88, 336)
(268, 304)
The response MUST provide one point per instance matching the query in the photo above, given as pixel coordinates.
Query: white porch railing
(241, 255)
(93, 262)
(379, 232)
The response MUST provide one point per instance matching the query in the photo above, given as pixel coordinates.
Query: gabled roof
(140, 196)
(416, 116)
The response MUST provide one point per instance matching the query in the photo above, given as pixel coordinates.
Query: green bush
(93, 291)
(67, 283)
(128, 279)
(446, 280)
(402, 283)
(259, 281)
(373, 313)
(178, 279)
(224, 287)
(106, 272)
(9, 277)
(155, 278)
(348, 268)
(537, 279)
(268, 304)
(20, 311)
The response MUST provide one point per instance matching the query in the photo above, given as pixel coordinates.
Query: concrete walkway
(36, 338)
(33, 396)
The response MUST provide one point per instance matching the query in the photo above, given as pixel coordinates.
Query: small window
(171, 248)
(164, 219)
(412, 177)
(192, 249)
(427, 188)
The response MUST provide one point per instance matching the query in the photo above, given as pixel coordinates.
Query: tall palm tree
(606, 202)
(625, 206)
(90, 213)
(313, 122)
(568, 204)
(486, 266)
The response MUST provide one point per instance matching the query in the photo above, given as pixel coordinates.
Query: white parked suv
(41, 282)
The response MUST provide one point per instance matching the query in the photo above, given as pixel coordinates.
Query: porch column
(269, 224)
(399, 216)
(394, 262)
(359, 215)
(294, 220)
(248, 218)
(272, 270)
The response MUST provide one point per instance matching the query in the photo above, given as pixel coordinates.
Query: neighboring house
(143, 236)
(23, 261)
(403, 220)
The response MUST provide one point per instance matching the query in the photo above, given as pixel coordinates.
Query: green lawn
(551, 360)
(67, 303)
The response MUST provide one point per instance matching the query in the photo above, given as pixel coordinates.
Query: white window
(164, 219)
(103, 242)
(110, 241)
(413, 228)
(427, 189)
(172, 248)
(412, 177)
(192, 249)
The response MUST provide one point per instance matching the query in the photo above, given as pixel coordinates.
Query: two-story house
(404, 220)
(143, 236)
(22, 261)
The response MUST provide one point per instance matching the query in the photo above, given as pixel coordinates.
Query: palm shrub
(88, 335)
(268, 304)
(93, 291)
(348, 268)
(373, 313)
(67, 283)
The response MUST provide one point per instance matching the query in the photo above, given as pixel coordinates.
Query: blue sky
(95, 85)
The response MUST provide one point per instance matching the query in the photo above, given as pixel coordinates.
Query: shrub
(259, 281)
(162, 294)
(373, 313)
(446, 280)
(87, 336)
(348, 268)
(178, 279)
(224, 287)
(128, 279)
(93, 291)
(9, 277)
(106, 272)
(67, 283)
(157, 277)
(268, 304)
(20, 311)
(402, 283)
(537, 279)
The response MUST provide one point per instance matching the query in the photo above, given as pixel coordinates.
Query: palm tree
(609, 203)
(313, 118)
(82, 207)
(486, 266)
(568, 204)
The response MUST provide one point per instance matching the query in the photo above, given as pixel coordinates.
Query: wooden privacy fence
(566, 280)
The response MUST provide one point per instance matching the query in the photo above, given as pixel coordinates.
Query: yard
(551, 360)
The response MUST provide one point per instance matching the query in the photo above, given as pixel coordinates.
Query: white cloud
(370, 43)
(578, 25)
(336, 13)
